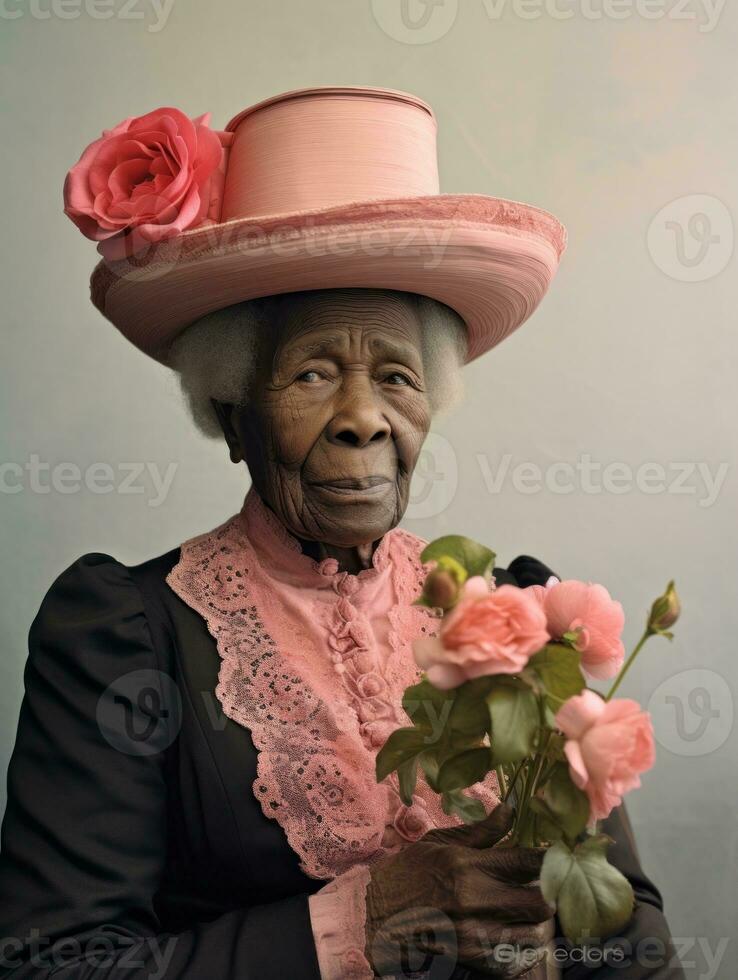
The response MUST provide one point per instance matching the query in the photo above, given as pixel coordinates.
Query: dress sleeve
(338, 919)
(530, 571)
(84, 833)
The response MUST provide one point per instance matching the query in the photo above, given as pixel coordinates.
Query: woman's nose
(358, 420)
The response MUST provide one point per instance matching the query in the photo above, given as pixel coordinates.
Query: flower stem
(539, 767)
(534, 765)
(501, 782)
(624, 669)
(544, 778)
(511, 785)
(522, 830)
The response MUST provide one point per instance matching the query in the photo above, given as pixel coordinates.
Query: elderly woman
(192, 790)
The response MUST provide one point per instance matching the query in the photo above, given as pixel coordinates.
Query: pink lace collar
(314, 663)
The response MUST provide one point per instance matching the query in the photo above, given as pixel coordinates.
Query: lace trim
(304, 671)
(338, 919)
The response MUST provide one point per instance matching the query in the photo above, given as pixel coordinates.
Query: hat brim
(489, 259)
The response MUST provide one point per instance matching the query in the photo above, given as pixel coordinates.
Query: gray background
(605, 117)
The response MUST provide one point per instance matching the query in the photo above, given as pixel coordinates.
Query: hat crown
(326, 147)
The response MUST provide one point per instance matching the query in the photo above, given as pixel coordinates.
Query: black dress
(129, 847)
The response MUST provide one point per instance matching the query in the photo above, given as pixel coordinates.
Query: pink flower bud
(442, 588)
(665, 611)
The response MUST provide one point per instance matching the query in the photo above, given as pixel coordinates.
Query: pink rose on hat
(147, 179)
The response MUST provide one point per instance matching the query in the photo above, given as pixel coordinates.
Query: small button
(349, 585)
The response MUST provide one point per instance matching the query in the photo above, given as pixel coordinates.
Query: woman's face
(337, 414)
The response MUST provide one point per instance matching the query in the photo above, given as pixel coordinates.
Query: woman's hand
(451, 894)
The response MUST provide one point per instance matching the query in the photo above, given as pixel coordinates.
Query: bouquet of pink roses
(505, 689)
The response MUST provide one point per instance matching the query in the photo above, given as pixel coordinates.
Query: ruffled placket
(361, 667)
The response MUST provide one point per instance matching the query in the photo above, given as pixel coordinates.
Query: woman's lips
(365, 486)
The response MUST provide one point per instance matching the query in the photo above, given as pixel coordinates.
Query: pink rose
(486, 633)
(370, 685)
(145, 180)
(377, 731)
(411, 822)
(608, 744)
(374, 709)
(587, 609)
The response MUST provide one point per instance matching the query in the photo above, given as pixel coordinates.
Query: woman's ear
(225, 417)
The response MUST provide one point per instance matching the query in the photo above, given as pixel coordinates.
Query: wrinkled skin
(452, 894)
(336, 418)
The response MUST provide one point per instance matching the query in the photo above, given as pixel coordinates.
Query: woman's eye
(310, 376)
(396, 378)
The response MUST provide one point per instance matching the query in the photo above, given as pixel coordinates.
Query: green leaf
(546, 827)
(472, 556)
(531, 678)
(468, 809)
(593, 899)
(407, 774)
(555, 748)
(550, 715)
(515, 720)
(428, 708)
(402, 745)
(566, 804)
(558, 667)
(464, 769)
(469, 712)
(430, 765)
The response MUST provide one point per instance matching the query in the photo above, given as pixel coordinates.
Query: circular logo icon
(435, 479)
(692, 238)
(140, 713)
(692, 712)
(415, 21)
(408, 938)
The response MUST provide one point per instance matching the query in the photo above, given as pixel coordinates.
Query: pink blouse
(314, 663)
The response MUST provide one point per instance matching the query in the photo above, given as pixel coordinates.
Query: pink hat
(314, 189)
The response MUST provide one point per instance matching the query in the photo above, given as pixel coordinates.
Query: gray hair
(216, 355)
